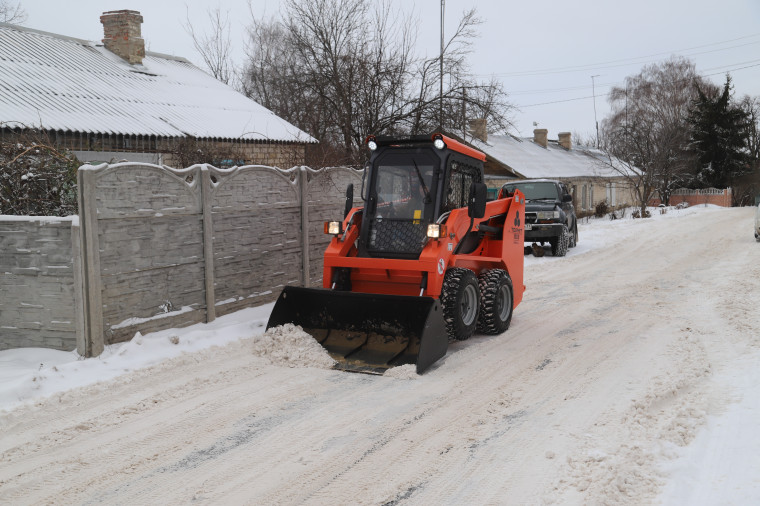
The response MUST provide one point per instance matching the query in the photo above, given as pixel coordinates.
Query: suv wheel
(574, 237)
(559, 244)
(460, 298)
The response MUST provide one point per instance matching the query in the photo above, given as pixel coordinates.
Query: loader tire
(496, 301)
(559, 244)
(460, 298)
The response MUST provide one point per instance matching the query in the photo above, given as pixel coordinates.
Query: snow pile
(290, 346)
(406, 372)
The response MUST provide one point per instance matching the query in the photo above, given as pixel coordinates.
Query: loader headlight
(371, 143)
(436, 231)
(333, 227)
(438, 142)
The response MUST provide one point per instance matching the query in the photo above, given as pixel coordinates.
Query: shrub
(36, 178)
(601, 209)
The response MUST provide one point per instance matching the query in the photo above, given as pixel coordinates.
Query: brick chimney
(121, 30)
(479, 129)
(564, 140)
(540, 136)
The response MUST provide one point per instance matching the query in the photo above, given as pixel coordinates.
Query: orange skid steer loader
(427, 259)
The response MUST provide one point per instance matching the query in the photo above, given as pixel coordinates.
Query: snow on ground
(629, 376)
(721, 464)
(32, 373)
(28, 374)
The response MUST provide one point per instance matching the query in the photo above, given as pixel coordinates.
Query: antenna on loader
(440, 96)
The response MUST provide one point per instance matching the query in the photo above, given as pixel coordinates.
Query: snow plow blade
(367, 333)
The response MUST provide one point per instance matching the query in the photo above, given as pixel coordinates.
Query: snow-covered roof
(61, 83)
(531, 160)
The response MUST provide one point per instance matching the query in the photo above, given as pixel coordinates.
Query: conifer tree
(719, 137)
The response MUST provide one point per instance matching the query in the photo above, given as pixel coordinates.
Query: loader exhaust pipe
(367, 333)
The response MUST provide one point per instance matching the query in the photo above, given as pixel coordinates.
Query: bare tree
(342, 69)
(354, 59)
(642, 184)
(646, 134)
(10, 13)
(464, 98)
(586, 140)
(214, 46)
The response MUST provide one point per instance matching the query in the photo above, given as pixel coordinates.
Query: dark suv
(549, 213)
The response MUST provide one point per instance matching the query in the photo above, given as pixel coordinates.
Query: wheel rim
(469, 305)
(504, 302)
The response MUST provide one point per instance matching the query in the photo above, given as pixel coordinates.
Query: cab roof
(424, 140)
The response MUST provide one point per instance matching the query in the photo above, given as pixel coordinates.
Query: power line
(608, 93)
(625, 61)
(602, 85)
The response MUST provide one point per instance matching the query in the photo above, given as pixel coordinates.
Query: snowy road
(608, 370)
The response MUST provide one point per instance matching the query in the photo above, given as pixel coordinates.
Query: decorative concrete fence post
(91, 286)
(304, 187)
(208, 243)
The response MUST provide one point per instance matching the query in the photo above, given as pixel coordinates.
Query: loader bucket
(366, 332)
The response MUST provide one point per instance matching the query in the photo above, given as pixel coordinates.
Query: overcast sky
(545, 52)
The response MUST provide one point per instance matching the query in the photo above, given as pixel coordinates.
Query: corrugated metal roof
(61, 83)
(531, 160)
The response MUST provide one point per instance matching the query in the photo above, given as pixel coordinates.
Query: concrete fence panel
(143, 237)
(325, 192)
(257, 234)
(40, 284)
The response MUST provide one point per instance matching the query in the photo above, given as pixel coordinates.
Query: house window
(611, 197)
(584, 200)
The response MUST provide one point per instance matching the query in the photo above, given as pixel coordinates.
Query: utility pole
(440, 96)
(593, 92)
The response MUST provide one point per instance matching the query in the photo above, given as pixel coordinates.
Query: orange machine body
(496, 250)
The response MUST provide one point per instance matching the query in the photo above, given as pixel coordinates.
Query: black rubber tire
(574, 237)
(460, 298)
(496, 301)
(559, 244)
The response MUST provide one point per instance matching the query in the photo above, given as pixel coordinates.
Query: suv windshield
(535, 191)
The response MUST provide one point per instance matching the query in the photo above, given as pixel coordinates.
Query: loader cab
(411, 183)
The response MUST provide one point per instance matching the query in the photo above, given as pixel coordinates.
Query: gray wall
(40, 289)
(166, 248)
(157, 248)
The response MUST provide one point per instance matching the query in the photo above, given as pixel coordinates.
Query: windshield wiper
(422, 182)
